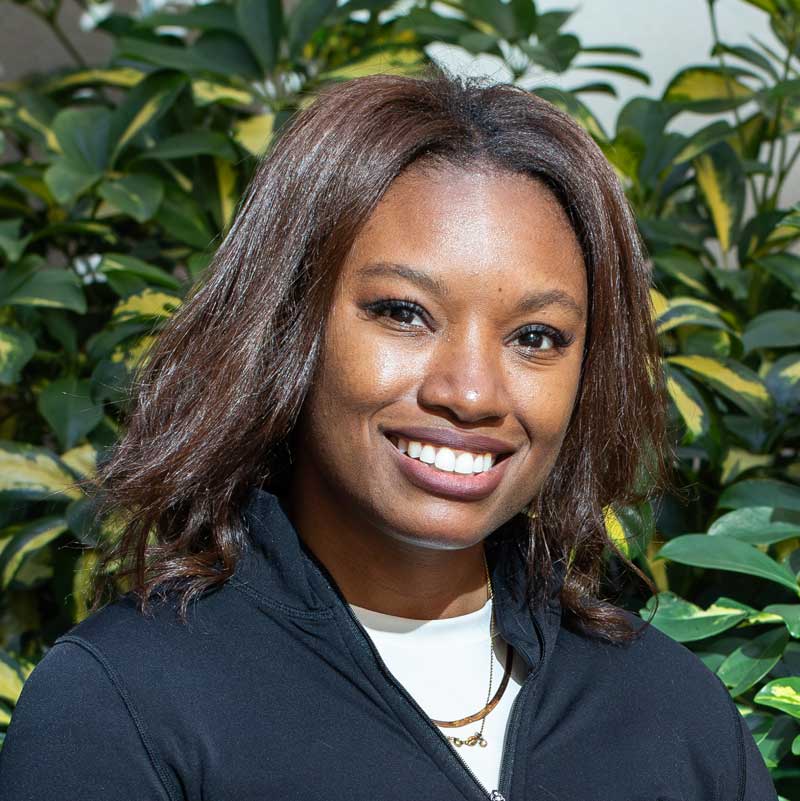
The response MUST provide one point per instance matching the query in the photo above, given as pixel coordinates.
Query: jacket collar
(279, 566)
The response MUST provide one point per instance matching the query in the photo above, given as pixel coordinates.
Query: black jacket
(274, 691)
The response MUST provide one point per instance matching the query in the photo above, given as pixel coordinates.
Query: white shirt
(444, 665)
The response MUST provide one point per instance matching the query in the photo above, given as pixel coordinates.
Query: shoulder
(671, 704)
(658, 671)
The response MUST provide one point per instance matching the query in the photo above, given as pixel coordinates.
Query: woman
(364, 480)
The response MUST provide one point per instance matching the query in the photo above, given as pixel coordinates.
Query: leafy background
(117, 181)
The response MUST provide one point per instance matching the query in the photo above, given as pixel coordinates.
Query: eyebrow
(531, 302)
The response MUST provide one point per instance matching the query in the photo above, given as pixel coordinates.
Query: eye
(538, 338)
(400, 311)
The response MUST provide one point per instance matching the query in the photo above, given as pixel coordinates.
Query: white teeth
(465, 463)
(445, 459)
(428, 454)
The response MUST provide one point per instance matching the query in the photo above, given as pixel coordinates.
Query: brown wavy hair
(214, 404)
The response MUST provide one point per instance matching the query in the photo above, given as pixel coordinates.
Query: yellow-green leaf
(121, 76)
(403, 61)
(707, 89)
(82, 459)
(254, 133)
(147, 303)
(721, 181)
(615, 530)
(731, 379)
(738, 461)
(26, 539)
(28, 472)
(206, 92)
(226, 187)
(783, 694)
(688, 402)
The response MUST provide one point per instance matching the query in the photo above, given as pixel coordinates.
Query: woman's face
(460, 309)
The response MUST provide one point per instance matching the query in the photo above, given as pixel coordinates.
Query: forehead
(488, 230)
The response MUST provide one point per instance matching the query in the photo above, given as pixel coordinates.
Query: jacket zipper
(494, 795)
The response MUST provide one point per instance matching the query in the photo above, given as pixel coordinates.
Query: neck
(386, 573)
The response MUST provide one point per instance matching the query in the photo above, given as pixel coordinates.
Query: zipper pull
(497, 796)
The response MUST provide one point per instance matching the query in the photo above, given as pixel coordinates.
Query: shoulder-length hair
(215, 403)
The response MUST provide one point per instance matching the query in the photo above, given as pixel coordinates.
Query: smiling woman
(369, 455)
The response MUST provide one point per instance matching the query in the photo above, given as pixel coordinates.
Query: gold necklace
(491, 703)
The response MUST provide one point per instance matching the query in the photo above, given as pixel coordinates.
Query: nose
(464, 376)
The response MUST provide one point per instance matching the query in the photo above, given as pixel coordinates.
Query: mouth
(447, 460)
(448, 472)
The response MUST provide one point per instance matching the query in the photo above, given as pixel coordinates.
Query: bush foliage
(118, 181)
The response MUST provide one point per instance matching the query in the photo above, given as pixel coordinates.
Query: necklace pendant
(475, 739)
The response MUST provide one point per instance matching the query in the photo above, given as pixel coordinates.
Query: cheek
(359, 374)
(548, 407)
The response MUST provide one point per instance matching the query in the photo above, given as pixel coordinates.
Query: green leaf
(555, 54)
(752, 661)
(68, 408)
(30, 473)
(784, 267)
(783, 381)
(685, 268)
(307, 17)
(618, 69)
(11, 243)
(724, 553)
(721, 180)
(138, 196)
(209, 17)
(261, 24)
(707, 89)
(84, 137)
(783, 694)
(761, 492)
(773, 329)
(114, 264)
(26, 539)
(731, 379)
(757, 525)
(16, 349)
(683, 310)
(524, 12)
(67, 182)
(59, 289)
(192, 143)
(215, 52)
(718, 131)
(629, 528)
(789, 613)
(578, 110)
(226, 54)
(689, 403)
(182, 217)
(500, 16)
(143, 105)
(773, 738)
(686, 622)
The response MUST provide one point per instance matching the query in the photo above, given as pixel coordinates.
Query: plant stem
(777, 133)
(51, 20)
(718, 46)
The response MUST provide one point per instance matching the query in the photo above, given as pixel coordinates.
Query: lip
(448, 437)
(473, 487)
